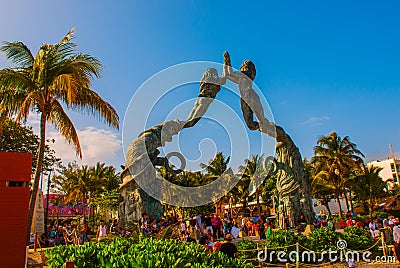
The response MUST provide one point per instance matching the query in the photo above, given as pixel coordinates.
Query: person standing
(396, 239)
(199, 226)
(84, 232)
(183, 227)
(207, 223)
(144, 225)
(101, 231)
(216, 226)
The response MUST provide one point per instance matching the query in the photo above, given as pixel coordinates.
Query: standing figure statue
(292, 195)
(210, 85)
(249, 100)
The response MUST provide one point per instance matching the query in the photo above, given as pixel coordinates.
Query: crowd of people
(210, 231)
(77, 234)
(209, 224)
(216, 233)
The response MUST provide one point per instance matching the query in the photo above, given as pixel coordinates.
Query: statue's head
(249, 69)
(210, 76)
(169, 129)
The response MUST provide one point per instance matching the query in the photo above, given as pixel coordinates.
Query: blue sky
(323, 66)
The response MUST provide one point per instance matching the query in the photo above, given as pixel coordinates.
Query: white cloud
(96, 144)
(315, 121)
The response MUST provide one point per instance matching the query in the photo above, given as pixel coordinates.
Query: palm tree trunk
(83, 206)
(351, 201)
(371, 207)
(258, 203)
(3, 117)
(339, 206)
(326, 204)
(346, 200)
(38, 171)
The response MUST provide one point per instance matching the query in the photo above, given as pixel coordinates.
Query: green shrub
(357, 238)
(321, 239)
(247, 245)
(147, 253)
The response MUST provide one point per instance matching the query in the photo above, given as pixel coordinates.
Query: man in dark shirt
(228, 247)
(207, 223)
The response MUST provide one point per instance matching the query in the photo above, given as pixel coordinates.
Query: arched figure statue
(142, 158)
(210, 85)
(143, 150)
(250, 102)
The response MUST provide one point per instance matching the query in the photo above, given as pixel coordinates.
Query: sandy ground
(35, 259)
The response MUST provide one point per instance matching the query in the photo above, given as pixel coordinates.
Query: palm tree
(56, 78)
(217, 167)
(80, 184)
(3, 117)
(107, 176)
(369, 186)
(253, 170)
(334, 160)
(322, 190)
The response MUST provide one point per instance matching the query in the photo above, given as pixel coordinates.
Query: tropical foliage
(334, 161)
(369, 186)
(16, 137)
(147, 253)
(56, 78)
(99, 182)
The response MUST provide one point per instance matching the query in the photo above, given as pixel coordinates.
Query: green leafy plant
(148, 252)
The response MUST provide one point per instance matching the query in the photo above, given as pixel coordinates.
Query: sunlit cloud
(96, 144)
(315, 121)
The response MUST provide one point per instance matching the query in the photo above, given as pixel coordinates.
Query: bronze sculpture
(141, 159)
(250, 102)
(210, 85)
(292, 197)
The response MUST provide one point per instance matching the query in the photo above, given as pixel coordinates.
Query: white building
(390, 171)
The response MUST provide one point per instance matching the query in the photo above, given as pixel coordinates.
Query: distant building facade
(390, 169)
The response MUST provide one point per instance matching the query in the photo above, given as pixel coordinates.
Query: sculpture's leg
(248, 116)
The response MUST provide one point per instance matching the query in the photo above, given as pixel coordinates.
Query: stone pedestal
(134, 202)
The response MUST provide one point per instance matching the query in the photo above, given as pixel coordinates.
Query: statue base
(134, 202)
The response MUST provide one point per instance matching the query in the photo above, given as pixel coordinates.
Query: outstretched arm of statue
(227, 72)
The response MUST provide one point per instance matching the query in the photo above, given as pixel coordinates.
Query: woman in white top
(101, 231)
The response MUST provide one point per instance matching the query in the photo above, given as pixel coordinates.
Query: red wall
(14, 203)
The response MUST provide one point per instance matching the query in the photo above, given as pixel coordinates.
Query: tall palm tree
(254, 170)
(217, 167)
(108, 177)
(80, 184)
(56, 78)
(334, 160)
(369, 186)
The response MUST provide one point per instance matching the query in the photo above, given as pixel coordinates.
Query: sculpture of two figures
(292, 198)
(250, 103)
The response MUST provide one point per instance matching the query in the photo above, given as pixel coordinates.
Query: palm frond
(69, 36)
(91, 103)
(18, 53)
(62, 122)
